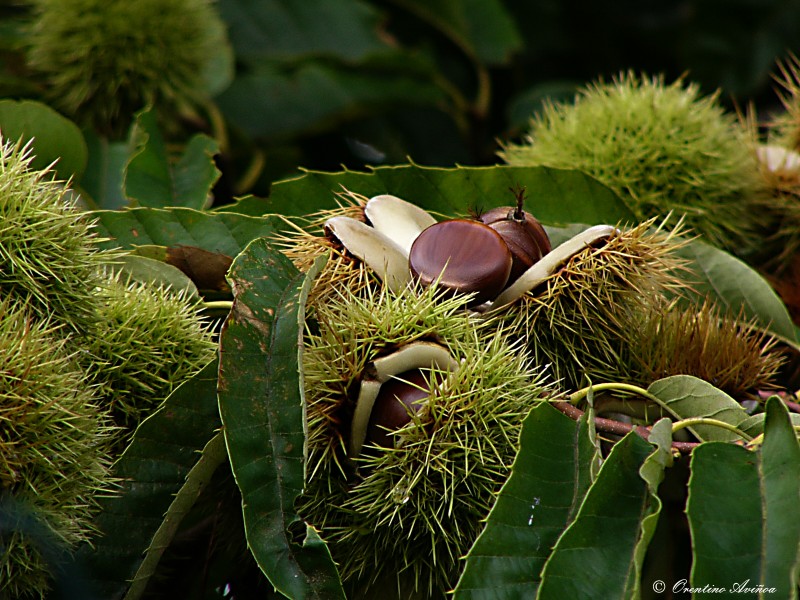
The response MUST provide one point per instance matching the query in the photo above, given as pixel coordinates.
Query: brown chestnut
(396, 398)
(469, 256)
(524, 235)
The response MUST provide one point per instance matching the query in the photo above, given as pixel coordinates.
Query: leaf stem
(691, 421)
(576, 397)
(618, 427)
(218, 304)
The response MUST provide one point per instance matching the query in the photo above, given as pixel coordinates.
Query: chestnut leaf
(164, 469)
(55, 139)
(548, 481)
(736, 286)
(262, 408)
(554, 196)
(224, 233)
(742, 511)
(611, 530)
(151, 179)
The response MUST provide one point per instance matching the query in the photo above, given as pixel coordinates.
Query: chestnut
(466, 256)
(524, 235)
(396, 398)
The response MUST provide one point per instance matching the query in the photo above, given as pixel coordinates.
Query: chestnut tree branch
(618, 427)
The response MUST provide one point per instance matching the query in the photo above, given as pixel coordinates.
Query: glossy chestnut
(390, 412)
(466, 256)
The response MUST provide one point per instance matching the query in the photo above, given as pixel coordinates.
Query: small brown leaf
(206, 269)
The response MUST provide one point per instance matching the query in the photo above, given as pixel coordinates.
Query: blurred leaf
(553, 195)
(736, 286)
(103, 179)
(688, 397)
(151, 180)
(733, 44)
(271, 102)
(224, 233)
(219, 69)
(559, 235)
(165, 449)
(532, 100)
(261, 404)
(431, 134)
(56, 137)
(742, 511)
(290, 29)
(482, 28)
(547, 484)
(597, 554)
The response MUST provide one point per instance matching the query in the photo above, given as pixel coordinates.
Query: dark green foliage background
(350, 85)
(359, 83)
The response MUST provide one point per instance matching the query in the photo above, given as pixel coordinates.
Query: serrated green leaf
(742, 512)
(225, 233)
(482, 28)
(262, 409)
(687, 397)
(211, 457)
(165, 448)
(146, 177)
(547, 484)
(594, 557)
(652, 472)
(737, 287)
(554, 196)
(195, 173)
(151, 180)
(56, 137)
(285, 30)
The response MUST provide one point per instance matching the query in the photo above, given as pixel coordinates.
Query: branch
(618, 427)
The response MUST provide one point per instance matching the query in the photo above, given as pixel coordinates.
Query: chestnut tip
(525, 236)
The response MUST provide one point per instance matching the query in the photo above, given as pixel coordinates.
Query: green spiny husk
(55, 443)
(305, 241)
(147, 341)
(662, 148)
(103, 60)
(577, 319)
(404, 516)
(48, 255)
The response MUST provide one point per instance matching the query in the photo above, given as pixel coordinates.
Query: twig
(618, 427)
